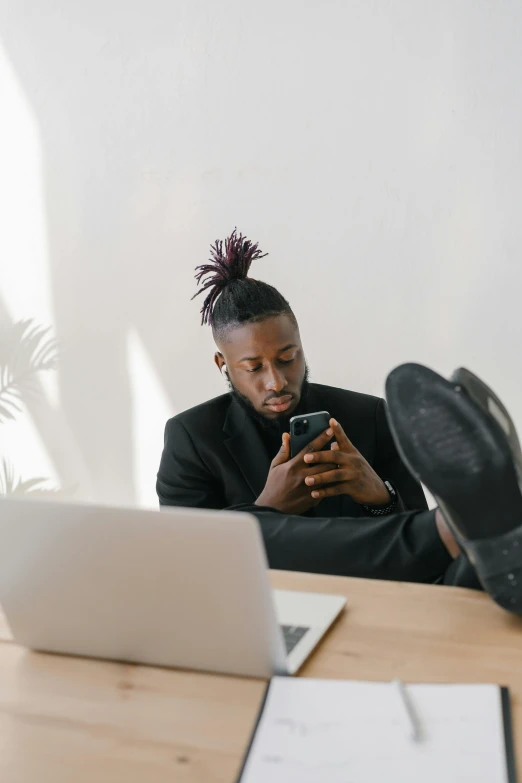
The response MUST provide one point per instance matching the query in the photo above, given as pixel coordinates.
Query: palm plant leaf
(25, 350)
(7, 479)
(11, 485)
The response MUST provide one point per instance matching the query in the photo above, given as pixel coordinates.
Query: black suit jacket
(214, 457)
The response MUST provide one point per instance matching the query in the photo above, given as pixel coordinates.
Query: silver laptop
(179, 588)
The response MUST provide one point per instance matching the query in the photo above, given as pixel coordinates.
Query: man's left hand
(353, 475)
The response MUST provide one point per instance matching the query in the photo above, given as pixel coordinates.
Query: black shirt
(272, 435)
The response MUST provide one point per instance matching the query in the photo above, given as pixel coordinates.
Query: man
(234, 452)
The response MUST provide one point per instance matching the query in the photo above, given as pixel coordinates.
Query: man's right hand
(285, 488)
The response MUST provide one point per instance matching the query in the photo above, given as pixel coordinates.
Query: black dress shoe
(466, 451)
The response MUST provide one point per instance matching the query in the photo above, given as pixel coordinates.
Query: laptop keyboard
(292, 634)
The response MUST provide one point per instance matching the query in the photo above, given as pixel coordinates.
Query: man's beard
(280, 423)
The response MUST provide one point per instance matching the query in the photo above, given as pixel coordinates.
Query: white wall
(373, 148)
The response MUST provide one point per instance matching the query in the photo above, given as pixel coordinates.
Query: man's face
(265, 364)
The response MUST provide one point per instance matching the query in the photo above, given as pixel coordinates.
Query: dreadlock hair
(232, 297)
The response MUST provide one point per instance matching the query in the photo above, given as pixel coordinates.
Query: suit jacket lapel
(246, 447)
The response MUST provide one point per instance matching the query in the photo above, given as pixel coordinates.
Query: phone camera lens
(301, 427)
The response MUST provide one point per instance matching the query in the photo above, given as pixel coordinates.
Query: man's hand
(352, 476)
(285, 487)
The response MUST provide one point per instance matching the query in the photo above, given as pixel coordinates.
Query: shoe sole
(463, 457)
(486, 399)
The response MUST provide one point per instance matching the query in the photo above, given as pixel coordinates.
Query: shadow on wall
(26, 351)
(112, 284)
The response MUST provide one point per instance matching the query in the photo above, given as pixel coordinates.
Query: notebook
(318, 731)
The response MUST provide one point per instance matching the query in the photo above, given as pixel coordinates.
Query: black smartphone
(305, 428)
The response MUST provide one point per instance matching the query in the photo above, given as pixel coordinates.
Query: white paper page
(328, 731)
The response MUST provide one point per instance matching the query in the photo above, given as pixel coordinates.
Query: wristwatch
(382, 511)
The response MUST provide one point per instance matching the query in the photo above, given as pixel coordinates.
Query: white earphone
(224, 372)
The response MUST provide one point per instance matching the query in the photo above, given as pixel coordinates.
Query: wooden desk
(65, 720)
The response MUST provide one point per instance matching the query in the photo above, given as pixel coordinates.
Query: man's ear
(219, 360)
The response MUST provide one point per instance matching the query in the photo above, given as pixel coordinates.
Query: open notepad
(328, 731)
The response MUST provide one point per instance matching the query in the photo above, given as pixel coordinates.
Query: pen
(404, 696)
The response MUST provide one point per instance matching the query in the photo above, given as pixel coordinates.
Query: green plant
(26, 349)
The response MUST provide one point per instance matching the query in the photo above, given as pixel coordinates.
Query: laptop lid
(181, 587)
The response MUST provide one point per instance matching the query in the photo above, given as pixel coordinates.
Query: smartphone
(305, 428)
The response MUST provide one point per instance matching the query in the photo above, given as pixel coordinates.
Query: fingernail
(310, 480)
(308, 457)
(329, 431)
(315, 494)
(334, 422)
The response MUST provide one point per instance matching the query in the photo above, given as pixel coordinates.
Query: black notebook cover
(259, 714)
(508, 735)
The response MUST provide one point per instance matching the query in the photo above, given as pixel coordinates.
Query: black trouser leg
(462, 574)
(402, 547)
